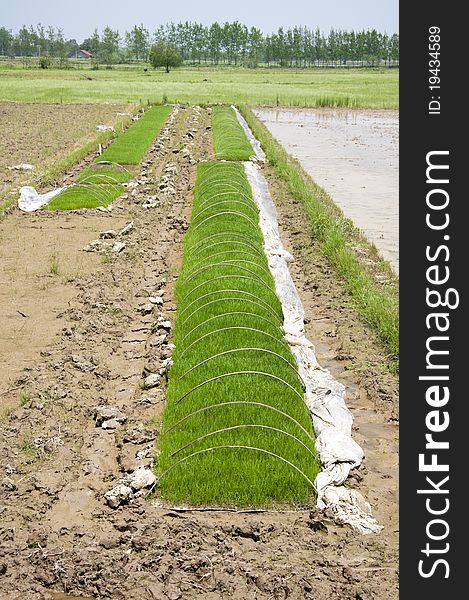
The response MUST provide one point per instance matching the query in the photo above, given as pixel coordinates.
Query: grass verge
(373, 288)
(229, 140)
(129, 149)
(236, 430)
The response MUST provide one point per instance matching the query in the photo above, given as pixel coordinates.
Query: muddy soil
(59, 538)
(39, 134)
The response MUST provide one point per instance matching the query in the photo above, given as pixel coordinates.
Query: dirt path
(57, 534)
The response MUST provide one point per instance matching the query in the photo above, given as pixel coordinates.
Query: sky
(78, 19)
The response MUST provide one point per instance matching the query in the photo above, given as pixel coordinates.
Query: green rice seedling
(229, 139)
(107, 173)
(236, 430)
(130, 147)
(85, 196)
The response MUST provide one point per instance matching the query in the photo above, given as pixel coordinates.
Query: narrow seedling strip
(99, 184)
(129, 148)
(107, 173)
(229, 140)
(236, 430)
(85, 196)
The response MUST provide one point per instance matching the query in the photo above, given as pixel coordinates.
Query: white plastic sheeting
(21, 167)
(102, 128)
(30, 200)
(258, 152)
(324, 396)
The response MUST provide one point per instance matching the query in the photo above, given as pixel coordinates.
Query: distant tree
(92, 43)
(394, 47)
(22, 44)
(6, 41)
(214, 42)
(109, 47)
(163, 54)
(137, 42)
(231, 43)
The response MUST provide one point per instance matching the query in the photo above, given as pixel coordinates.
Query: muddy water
(354, 156)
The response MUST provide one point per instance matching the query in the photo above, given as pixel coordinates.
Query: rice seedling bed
(85, 196)
(99, 184)
(107, 173)
(129, 148)
(229, 139)
(236, 430)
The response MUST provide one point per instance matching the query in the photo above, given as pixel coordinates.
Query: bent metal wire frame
(99, 192)
(238, 402)
(242, 277)
(233, 373)
(222, 233)
(244, 426)
(225, 211)
(201, 261)
(227, 314)
(233, 447)
(230, 243)
(221, 214)
(234, 327)
(257, 301)
(227, 263)
(244, 349)
(225, 194)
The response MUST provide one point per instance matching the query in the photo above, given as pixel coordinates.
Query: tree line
(227, 44)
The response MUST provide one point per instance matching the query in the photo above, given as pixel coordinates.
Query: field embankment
(368, 279)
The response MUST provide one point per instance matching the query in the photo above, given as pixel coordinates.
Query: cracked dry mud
(99, 335)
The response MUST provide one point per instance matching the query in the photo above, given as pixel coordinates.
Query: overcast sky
(79, 18)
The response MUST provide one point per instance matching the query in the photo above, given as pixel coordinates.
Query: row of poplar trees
(228, 44)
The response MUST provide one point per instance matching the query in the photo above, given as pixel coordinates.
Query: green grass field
(364, 88)
(229, 139)
(234, 398)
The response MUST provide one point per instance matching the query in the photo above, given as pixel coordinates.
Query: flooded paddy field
(354, 155)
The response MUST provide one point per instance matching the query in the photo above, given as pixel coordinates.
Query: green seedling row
(236, 430)
(229, 139)
(99, 184)
(85, 196)
(106, 173)
(129, 148)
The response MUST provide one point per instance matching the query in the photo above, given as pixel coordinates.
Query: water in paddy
(353, 155)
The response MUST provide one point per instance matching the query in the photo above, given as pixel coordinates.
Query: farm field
(42, 134)
(364, 179)
(108, 321)
(269, 87)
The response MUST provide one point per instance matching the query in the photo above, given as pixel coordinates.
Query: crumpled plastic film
(324, 396)
(30, 200)
(259, 153)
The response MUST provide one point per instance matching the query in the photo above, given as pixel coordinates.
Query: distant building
(81, 54)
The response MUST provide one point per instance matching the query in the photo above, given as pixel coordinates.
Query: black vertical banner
(434, 236)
